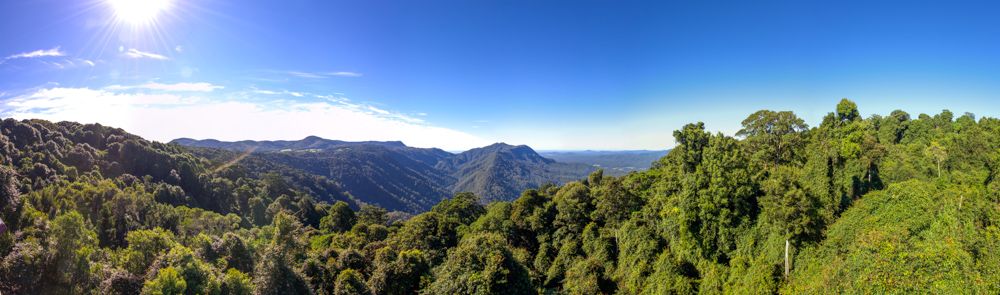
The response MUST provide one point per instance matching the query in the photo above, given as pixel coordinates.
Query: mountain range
(399, 177)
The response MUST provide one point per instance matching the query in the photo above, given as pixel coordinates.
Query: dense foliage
(888, 204)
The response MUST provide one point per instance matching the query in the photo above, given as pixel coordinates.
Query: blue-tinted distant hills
(613, 162)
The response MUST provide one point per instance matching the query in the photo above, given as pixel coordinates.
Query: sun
(137, 12)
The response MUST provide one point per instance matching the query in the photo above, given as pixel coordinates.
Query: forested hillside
(398, 177)
(499, 172)
(885, 204)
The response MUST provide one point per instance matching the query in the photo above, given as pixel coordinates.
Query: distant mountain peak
(506, 146)
(499, 144)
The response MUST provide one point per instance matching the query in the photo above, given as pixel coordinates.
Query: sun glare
(138, 11)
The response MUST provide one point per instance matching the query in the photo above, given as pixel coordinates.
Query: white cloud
(179, 48)
(378, 110)
(38, 53)
(136, 53)
(268, 92)
(193, 87)
(168, 116)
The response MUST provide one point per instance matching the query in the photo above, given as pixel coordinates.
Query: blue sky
(458, 74)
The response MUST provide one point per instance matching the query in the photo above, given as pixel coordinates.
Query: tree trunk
(787, 264)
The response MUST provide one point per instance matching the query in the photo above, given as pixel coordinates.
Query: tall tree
(774, 138)
(691, 140)
(481, 264)
(718, 199)
(847, 111)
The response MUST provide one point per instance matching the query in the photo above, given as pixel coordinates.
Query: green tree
(790, 207)
(339, 217)
(287, 236)
(199, 276)
(595, 178)
(167, 282)
(847, 111)
(404, 275)
(718, 200)
(9, 196)
(432, 233)
(573, 207)
(613, 202)
(938, 153)
(258, 211)
(463, 206)
(275, 185)
(144, 246)
(273, 275)
(236, 282)
(349, 282)
(70, 243)
(585, 277)
(372, 215)
(774, 138)
(481, 264)
(235, 252)
(639, 245)
(691, 140)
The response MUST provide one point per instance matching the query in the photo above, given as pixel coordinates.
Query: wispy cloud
(190, 87)
(268, 92)
(230, 119)
(71, 63)
(136, 53)
(273, 92)
(321, 75)
(344, 74)
(38, 53)
(345, 102)
(306, 75)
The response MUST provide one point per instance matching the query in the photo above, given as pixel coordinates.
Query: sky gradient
(606, 75)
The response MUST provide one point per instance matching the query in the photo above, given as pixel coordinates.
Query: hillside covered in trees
(885, 204)
(394, 176)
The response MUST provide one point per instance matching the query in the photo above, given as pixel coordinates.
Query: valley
(398, 177)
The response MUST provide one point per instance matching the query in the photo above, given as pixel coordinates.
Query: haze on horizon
(554, 75)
